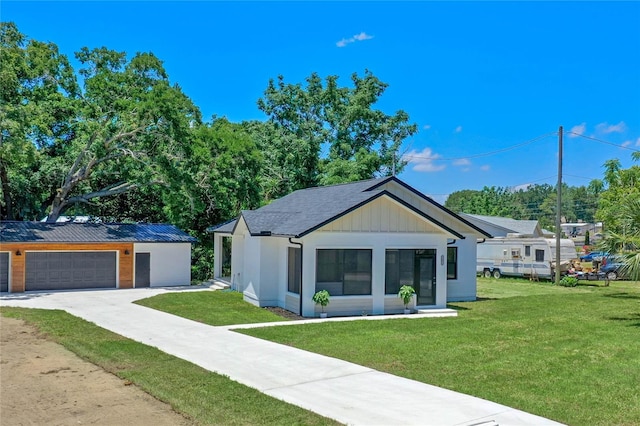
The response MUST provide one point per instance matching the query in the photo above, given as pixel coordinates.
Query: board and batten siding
(417, 201)
(381, 215)
(124, 261)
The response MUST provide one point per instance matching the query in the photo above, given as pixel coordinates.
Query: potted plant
(321, 298)
(406, 294)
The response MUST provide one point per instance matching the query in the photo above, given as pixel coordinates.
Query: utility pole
(559, 207)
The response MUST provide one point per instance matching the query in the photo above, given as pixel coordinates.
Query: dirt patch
(284, 313)
(41, 382)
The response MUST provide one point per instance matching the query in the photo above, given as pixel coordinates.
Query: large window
(539, 255)
(452, 263)
(399, 269)
(294, 266)
(343, 272)
(226, 257)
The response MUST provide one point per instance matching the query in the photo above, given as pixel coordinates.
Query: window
(452, 263)
(527, 251)
(539, 255)
(515, 253)
(226, 257)
(399, 269)
(343, 272)
(294, 266)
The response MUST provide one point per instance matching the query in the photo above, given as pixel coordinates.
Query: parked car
(594, 256)
(613, 268)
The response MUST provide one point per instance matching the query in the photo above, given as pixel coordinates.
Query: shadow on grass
(624, 295)
(581, 284)
(464, 308)
(631, 317)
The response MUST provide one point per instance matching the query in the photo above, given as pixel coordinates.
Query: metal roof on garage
(67, 232)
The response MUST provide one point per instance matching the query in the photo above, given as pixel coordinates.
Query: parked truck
(518, 255)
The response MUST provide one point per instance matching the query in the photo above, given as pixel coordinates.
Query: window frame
(294, 270)
(453, 263)
(352, 264)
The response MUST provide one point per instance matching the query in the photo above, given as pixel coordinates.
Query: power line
(485, 154)
(603, 141)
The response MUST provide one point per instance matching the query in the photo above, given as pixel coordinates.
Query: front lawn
(569, 354)
(210, 307)
(206, 397)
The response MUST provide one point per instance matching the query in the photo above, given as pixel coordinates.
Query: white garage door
(70, 270)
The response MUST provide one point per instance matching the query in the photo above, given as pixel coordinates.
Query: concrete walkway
(343, 391)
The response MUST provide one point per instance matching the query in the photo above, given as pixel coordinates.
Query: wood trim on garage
(17, 276)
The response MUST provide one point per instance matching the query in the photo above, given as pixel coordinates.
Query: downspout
(301, 270)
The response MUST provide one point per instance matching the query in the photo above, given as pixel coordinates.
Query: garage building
(62, 256)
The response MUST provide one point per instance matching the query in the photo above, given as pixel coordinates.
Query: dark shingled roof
(67, 232)
(306, 210)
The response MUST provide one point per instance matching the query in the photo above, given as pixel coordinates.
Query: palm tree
(626, 240)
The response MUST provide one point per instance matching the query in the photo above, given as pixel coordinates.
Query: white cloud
(627, 143)
(611, 128)
(638, 142)
(462, 162)
(426, 126)
(458, 129)
(485, 168)
(423, 161)
(580, 128)
(522, 187)
(358, 37)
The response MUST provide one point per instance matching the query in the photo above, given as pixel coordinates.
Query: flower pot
(407, 311)
(323, 315)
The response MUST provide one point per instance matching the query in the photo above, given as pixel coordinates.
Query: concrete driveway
(343, 391)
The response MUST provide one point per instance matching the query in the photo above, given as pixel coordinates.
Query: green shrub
(569, 281)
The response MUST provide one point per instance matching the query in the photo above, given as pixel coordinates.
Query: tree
(220, 179)
(131, 129)
(360, 142)
(619, 209)
(116, 126)
(490, 201)
(38, 90)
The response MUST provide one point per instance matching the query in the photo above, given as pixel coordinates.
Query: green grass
(206, 397)
(211, 307)
(569, 354)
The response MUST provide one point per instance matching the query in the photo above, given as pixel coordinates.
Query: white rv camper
(519, 255)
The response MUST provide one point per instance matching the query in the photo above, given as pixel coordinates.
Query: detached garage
(62, 256)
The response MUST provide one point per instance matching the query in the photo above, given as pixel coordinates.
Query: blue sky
(478, 78)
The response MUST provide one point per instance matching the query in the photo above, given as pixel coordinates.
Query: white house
(360, 241)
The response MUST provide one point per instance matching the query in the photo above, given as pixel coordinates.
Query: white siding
(438, 214)
(381, 215)
(464, 287)
(170, 263)
(378, 243)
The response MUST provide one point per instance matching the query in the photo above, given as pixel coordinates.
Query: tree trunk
(57, 207)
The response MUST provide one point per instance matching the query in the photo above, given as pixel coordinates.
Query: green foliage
(406, 293)
(38, 95)
(361, 142)
(587, 240)
(567, 281)
(620, 210)
(536, 202)
(321, 298)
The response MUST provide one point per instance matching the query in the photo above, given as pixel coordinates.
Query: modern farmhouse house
(360, 241)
